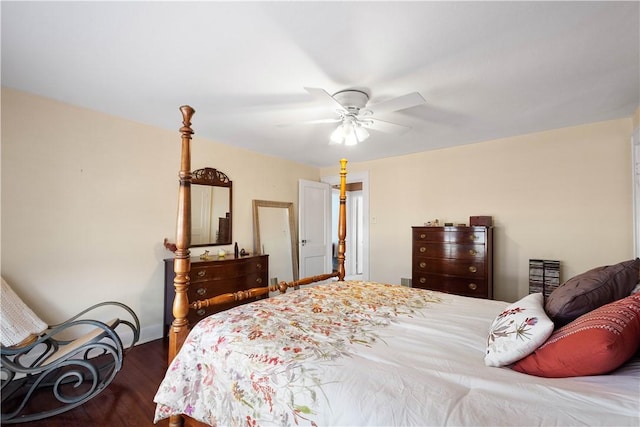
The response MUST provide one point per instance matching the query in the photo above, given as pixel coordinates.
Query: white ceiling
(486, 69)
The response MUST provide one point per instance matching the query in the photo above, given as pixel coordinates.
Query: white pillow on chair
(18, 321)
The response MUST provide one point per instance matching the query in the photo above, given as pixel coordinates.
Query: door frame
(635, 159)
(364, 178)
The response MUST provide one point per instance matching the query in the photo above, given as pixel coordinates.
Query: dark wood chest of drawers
(214, 277)
(457, 260)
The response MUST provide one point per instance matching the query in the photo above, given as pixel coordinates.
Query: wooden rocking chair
(37, 358)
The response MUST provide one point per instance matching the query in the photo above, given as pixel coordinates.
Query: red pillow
(595, 343)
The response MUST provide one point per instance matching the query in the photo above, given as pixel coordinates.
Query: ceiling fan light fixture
(361, 133)
(351, 139)
(357, 134)
(349, 132)
(337, 136)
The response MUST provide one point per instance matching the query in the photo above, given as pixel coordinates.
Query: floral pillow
(518, 331)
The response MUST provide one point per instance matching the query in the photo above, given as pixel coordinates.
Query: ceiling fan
(355, 117)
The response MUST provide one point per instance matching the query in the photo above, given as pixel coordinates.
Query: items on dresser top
(455, 260)
(212, 277)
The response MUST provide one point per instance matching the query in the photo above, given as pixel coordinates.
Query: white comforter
(365, 354)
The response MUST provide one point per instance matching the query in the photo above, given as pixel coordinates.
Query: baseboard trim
(147, 333)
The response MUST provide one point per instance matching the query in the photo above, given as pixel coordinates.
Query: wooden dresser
(214, 277)
(457, 260)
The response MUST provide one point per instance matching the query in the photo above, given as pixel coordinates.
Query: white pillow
(635, 290)
(518, 331)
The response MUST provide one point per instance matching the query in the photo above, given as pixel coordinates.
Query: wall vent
(405, 281)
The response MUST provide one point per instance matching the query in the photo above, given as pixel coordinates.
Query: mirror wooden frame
(257, 245)
(214, 178)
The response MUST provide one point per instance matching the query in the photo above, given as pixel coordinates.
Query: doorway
(357, 240)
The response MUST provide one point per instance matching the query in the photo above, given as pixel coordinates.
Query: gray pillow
(590, 290)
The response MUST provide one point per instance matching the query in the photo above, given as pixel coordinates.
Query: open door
(314, 228)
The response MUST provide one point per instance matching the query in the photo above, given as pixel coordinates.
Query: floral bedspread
(264, 363)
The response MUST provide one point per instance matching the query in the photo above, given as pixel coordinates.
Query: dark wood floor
(128, 400)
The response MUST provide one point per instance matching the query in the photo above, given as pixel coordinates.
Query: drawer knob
(201, 312)
(423, 249)
(423, 280)
(422, 236)
(201, 273)
(473, 237)
(423, 264)
(201, 291)
(259, 280)
(258, 265)
(473, 286)
(473, 269)
(473, 252)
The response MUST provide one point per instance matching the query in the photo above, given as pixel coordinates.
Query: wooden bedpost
(342, 222)
(181, 264)
(182, 261)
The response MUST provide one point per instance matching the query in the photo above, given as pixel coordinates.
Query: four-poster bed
(182, 264)
(361, 353)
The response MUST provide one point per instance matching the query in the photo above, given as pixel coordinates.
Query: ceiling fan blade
(310, 122)
(399, 103)
(313, 122)
(386, 127)
(324, 96)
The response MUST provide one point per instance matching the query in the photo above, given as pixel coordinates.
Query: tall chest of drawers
(214, 277)
(457, 260)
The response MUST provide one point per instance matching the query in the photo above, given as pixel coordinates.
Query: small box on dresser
(457, 260)
(212, 277)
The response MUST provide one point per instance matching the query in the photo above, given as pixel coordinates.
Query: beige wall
(87, 199)
(563, 194)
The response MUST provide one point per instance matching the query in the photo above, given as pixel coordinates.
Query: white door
(314, 228)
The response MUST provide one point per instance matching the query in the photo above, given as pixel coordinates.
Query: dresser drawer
(450, 234)
(206, 289)
(195, 316)
(476, 235)
(222, 270)
(452, 267)
(211, 288)
(447, 250)
(210, 278)
(453, 285)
